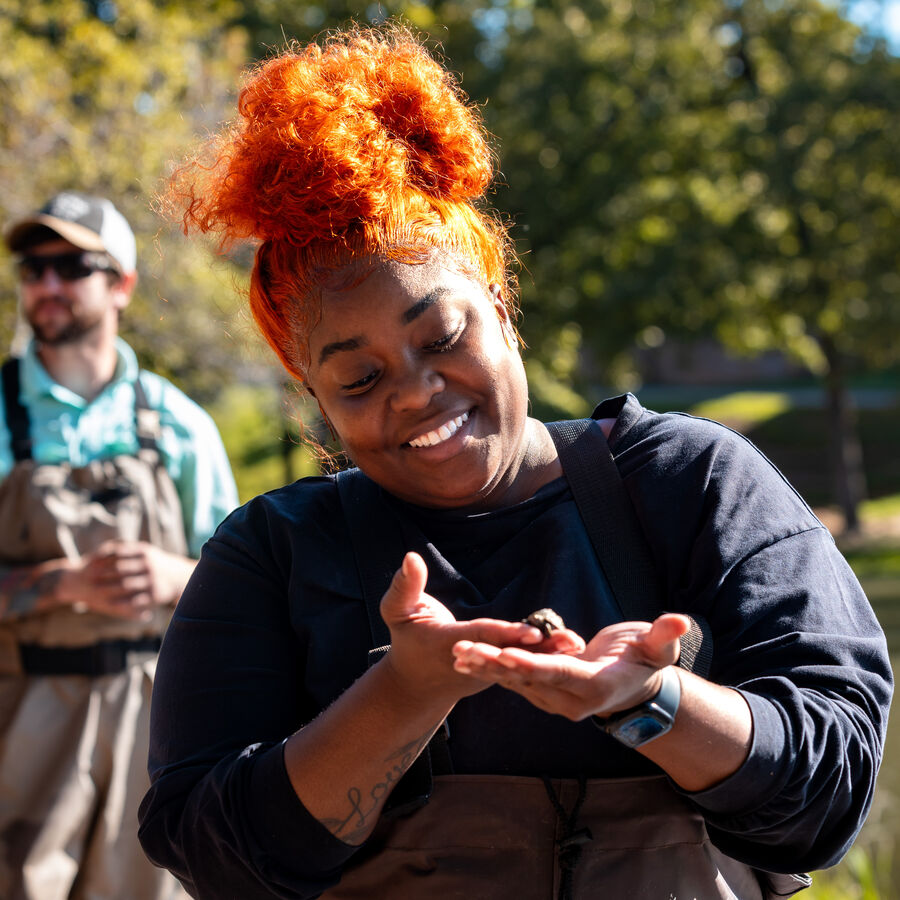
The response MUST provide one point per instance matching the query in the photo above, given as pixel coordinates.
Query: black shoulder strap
(360, 499)
(378, 551)
(146, 419)
(17, 420)
(615, 531)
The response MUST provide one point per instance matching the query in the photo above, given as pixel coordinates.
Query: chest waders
(75, 686)
(485, 837)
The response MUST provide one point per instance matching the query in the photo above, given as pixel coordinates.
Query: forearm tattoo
(366, 804)
(25, 590)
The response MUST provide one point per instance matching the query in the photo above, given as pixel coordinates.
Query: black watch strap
(648, 720)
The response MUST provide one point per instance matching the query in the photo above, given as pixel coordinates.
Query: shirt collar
(37, 383)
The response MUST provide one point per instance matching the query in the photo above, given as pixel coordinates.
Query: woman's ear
(325, 418)
(496, 293)
(506, 325)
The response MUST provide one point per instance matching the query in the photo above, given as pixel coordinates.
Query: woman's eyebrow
(353, 343)
(406, 317)
(420, 306)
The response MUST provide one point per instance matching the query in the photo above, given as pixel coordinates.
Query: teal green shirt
(67, 428)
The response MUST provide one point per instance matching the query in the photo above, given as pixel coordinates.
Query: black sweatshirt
(271, 629)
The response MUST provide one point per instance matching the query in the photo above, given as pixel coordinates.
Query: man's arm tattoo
(365, 806)
(25, 590)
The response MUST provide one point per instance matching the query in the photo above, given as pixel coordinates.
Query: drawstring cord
(569, 845)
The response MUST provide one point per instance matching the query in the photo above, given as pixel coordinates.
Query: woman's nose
(416, 387)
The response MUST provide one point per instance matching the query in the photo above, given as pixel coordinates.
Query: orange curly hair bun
(359, 147)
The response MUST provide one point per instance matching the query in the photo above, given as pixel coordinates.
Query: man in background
(112, 479)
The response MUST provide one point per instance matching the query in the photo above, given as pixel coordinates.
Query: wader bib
(486, 837)
(75, 686)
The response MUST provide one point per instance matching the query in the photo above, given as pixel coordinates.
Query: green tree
(822, 237)
(102, 97)
(685, 169)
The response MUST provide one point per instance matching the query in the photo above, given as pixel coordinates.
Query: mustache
(55, 299)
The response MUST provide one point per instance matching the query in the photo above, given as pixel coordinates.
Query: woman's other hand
(618, 669)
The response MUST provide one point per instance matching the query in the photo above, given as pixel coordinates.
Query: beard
(59, 331)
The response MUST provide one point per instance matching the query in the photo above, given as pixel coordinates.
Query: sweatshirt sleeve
(795, 634)
(792, 630)
(221, 813)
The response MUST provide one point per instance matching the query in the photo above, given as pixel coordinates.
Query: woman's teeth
(440, 434)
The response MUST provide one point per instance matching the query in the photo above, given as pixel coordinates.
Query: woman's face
(418, 371)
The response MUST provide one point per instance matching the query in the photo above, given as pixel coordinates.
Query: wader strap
(616, 534)
(376, 561)
(146, 419)
(372, 533)
(17, 421)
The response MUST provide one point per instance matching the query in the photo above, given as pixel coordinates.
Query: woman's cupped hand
(619, 668)
(424, 635)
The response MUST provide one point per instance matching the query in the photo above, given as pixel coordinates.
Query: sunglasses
(68, 266)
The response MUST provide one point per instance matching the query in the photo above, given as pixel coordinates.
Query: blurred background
(705, 198)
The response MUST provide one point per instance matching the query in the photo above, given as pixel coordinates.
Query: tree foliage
(677, 169)
(101, 97)
(684, 169)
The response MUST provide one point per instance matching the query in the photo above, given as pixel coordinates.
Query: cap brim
(75, 234)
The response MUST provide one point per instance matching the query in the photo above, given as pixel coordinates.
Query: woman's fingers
(563, 640)
(556, 683)
(512, 663)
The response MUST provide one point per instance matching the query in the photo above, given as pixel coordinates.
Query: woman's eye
(447, 341)
(360, 384)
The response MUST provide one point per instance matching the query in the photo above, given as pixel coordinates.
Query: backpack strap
(17, 421)
(146, 419)
(376, 558)
(19, 424)
(378, 550)
(615, 531)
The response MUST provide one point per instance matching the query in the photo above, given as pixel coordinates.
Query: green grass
(883, 507)
(796, 436)
(744, 409)
(864, 874)
(871, 561)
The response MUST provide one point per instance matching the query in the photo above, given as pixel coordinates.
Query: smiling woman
(429, 398)
(351, 700)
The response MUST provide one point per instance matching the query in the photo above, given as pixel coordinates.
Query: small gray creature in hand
(546, 621)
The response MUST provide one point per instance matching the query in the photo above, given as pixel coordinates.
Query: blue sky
(892, 24)
(879, 15)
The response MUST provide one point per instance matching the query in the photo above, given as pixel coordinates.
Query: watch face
(640, 729)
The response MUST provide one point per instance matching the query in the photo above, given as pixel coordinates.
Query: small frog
(546, 621)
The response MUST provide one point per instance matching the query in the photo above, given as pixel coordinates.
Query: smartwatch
(649, 720)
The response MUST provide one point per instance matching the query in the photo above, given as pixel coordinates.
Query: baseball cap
(90, 223)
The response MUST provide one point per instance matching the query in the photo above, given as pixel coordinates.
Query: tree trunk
(846, 447)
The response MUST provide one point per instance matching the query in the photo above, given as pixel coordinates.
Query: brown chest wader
(75, 686)
(484, 837)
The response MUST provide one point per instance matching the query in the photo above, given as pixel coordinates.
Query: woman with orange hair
(356, 697)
